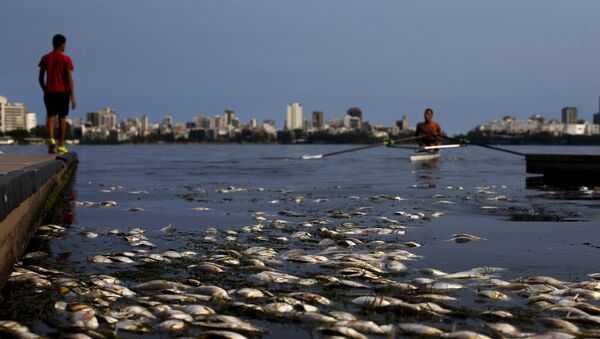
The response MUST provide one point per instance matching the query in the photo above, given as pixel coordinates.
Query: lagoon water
(527, 230)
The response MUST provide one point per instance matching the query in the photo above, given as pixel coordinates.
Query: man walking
(57, 83)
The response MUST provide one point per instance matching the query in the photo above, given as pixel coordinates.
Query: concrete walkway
(17, 162)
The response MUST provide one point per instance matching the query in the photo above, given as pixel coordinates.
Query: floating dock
(565, 168)
(30, 184)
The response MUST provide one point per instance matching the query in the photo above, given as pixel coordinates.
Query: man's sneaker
(51, 146)
(63, 150)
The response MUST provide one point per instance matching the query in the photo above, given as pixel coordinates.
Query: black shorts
(57, 103)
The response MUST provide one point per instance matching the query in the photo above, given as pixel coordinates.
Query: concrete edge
(17, 186)
(33, 188)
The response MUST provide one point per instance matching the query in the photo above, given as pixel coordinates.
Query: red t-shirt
(56, 65)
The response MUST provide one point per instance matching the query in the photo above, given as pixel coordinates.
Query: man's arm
(72, 90)
(41, 79)
(439, 133)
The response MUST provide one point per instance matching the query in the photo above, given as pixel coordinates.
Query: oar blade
(311, 157)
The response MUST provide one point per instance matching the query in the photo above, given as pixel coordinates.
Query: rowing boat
(427, 153)
(424, 156)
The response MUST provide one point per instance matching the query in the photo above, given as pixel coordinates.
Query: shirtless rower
(429, 131)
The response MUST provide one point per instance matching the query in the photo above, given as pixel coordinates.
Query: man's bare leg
(50, 123)
(62, 127)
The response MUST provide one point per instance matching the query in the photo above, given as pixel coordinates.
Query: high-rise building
(202, 121)
(355, 112)
(597, 115)
(30, 121)
(167, 121)
(3, 102)
(108, 118)
(229, 116)
(317, 119)
(14, 116)
(93, 118)
(145, 126)
(569, 115)
(403, 123)
(294, 116)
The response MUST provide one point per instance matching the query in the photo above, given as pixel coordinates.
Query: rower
(429, 131)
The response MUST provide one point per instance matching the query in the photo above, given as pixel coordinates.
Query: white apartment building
(15, 116)
(3, 102)
(294, 116)
(30, 121)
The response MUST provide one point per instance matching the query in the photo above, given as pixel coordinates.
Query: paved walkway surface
(16, 162)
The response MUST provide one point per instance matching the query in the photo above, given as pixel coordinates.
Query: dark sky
(471, 61)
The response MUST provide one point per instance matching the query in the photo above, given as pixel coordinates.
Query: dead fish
(16, 330)
(433, 308)
(132, 326)
(197, 310)
(365, 326)
(158, 285)
(136, 209)
(179, 298)
(169, 229)
(442, 285)
(464, 237)
(208, 267)
(90, 235)
(221, 335)
(314, 317)
(135, 310)
(250, 293)
(562, 325)
(121, 259)
(213, 291)
(108, 203)
(422, 330)
(278, 308)
(373, 301)
(292, 214)
(499, 314)
(540, 280)
(465, 335)
(51, 228)
(274, 277)
(496, 295)
(437, 297)
(228, 322)
(395, 266)
(341, 315)
(100, 259)
(35, 255)
(504, 329)
(310, 297)
(82, 316)
(172, 325)
(433, 272)
(551, 335)
(344, 331)
(200, 209)
(178, 315)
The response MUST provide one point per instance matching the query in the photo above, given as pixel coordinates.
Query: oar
(443, 146)
(486, 146)
(321, 156)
